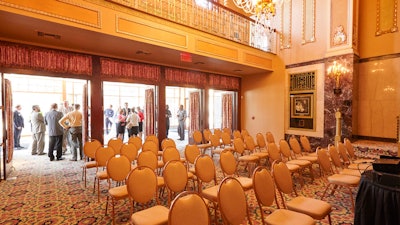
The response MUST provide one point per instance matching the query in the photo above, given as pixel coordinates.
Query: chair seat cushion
(292, 167)
(350, 172)
(361, 167)
(90, 164)
(118, 192)
(249, 158)
(287, 217)
(101, 175)
(262, 155)
(246, 182)
(315, 208)
(342, 179)
(211, 193)
(156, 215)
(299, 162)
(312, 159)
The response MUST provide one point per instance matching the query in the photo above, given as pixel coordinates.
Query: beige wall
(379, 98)
(263, 98)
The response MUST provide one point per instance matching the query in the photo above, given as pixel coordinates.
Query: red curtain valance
(180, 76)
(224, 82)
(36, 58)
(129, 70)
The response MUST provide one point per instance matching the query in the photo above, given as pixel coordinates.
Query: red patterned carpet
(43, 192)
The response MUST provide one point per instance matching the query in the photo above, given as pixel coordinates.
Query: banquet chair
(154, 138)
(315, 208)
(130, 151)
(218, 132)
(149, 159)
(142, 188)
(338, 165)
(228, 165)
(227, 130)
(175, 177)
(137, 141)
(264, 190)
(226, 141)
(206, 135)
(189, 207)
(252, 149)
(270, 137)
(236, 134)
(102, 155)
(207, 184)
(116, 144)
(118, 168)
(215, 145)
(167, 142)
(335, 179)
(287, 154)
(262, 145)
(275, 155)
(198, 140)
(347, 161)
(298, 154)
(191, 152)
(153, 147)
(89, 150)
(239, 149)
(305, 143)
(350, 150)
(244, 133)
(234, 210)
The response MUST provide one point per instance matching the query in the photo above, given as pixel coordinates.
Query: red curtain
(194, 113)
(149, 112)
(224, 82)
(85, 113)
(129, 70)
(36, 58)
(179, 76)
(227, 107)
(10, 119)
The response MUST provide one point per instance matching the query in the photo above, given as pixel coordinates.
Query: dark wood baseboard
(359, 137)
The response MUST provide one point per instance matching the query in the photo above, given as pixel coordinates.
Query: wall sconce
(336, 70)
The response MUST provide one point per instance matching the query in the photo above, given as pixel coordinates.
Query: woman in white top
(133, 123)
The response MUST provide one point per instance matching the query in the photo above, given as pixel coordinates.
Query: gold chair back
(189, 208)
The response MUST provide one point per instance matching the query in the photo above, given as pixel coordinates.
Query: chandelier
(262, 10)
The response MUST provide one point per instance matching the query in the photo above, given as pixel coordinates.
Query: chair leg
(326, 189)
(351, 198)
(106, 206)
(113, 211)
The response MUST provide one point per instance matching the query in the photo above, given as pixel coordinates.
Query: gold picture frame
(302, 106)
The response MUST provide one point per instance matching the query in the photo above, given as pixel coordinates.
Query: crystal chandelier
(263, 10)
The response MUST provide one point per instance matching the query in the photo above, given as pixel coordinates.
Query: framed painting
(301, 105)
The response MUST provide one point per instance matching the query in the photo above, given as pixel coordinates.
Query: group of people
(131, 120)
(127, 119)
(64, 129)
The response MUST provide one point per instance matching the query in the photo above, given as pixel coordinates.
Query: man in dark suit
(18, 125)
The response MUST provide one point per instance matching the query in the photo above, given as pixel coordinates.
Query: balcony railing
(210, 17)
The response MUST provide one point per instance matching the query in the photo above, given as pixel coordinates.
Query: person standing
(181, 120)
(167, 116)
(109, 114)
(126, 109)
(132, 123)
(141, 119)
(72, 122)
(55, 132)
(66, 142)
(18, 125)
(38, 131)
(121, 124)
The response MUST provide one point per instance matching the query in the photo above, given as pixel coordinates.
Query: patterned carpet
(43, 192)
